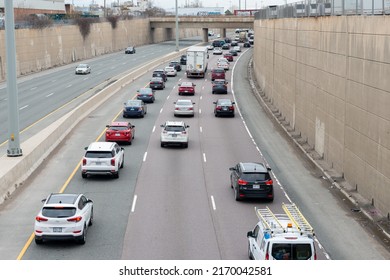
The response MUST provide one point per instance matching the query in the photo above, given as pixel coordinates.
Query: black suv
(183, 59)
(160, 73)
(176, 65)
(251, 180)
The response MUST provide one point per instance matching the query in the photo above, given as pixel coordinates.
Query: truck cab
(281, 236)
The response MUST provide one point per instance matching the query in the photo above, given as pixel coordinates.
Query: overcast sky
(166, 4)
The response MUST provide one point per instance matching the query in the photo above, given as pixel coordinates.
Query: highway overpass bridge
(205, 22)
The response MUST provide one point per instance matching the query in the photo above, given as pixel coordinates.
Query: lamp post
(14, 149)
(177, 27)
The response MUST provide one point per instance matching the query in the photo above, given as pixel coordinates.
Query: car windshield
(219, 82)
(82, 66)
(99, 154)
(57, 212)
(255, 176)
(175, 128)
(118, 128)
(219, 71)
(133, 103)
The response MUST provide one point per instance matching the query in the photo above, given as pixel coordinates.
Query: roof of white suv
(101, 146)
(174, 123)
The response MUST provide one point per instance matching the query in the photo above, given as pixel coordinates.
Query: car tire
(216, 115)
(84, 175)
(115, 175)
(38, 241)
(236, 195)
(123, 163)
(82, 239)
(250, 255)
(162, 145)
(91, 219)
(185, 145)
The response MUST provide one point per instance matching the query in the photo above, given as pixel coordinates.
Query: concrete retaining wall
(38, 50)
(329, 78)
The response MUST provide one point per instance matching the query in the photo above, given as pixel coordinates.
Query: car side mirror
(174, 102)
(138, 90)
(269, 168)
(85, 148)
(122, 149)
(249, 234)
(161, 125)
(233, 102)
(43, 200)
(232, 169)
(89, 201)
(214, 102)
(132, 126)
(187, 126)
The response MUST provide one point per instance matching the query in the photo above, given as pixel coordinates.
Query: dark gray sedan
(146, 95)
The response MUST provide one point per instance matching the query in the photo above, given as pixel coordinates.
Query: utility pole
(14, 149)
(177, 28)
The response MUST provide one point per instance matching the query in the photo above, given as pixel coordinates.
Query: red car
(228, 56)
(187, 88)
(120, 132)
(217, 73)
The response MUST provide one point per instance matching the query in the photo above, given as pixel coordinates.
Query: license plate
(225, 109)
(132, 109)
(57, 229)
(174, 135)
(256, 186)
(98, 163)
(186, 91)
(117, 134)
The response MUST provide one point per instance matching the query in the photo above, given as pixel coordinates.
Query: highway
(175, 203)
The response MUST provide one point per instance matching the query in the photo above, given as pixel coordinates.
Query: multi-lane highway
(175, 203)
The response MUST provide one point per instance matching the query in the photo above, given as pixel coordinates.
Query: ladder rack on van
(298, 219)
(271, 221)
(280, 223)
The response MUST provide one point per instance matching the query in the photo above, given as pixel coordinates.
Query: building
(26, 7)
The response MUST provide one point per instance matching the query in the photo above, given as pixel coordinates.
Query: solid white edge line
(154, 128)
(204, 157)
(213, 203)
(134, 202)
(200, 111)
(200, 129)
(145, 154)
(161, 110)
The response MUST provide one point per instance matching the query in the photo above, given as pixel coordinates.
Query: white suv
(174, 132)
(102, 158)
(64, 216)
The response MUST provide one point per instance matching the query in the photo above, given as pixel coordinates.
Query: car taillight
(84, 161)
(113, 161)
(107, 133)
(184, 132)
(231, 108)
(140, 109)
(269, 182)
(75, 219)
(40, 219)
(219, 107)
(242, 182)
(267, 256)
(127, 133)
(150, 94)
(190, 109)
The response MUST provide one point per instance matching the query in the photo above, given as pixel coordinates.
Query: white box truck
(197, 58)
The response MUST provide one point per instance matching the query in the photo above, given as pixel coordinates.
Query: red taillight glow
(242, 182)
(231, 108)
(113, 161)
(40, 219)
(75, 219)
(84, 161)
(267, 256)
(269, 182)
(219, 108)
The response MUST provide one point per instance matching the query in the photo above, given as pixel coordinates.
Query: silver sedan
(184, 107)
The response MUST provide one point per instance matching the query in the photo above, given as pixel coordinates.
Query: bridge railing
(316, 8)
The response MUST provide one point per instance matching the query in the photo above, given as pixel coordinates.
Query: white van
(281, 236)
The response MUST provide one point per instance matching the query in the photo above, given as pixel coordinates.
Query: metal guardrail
(317, 8)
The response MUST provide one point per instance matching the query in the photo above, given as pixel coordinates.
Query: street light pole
(177, 29)
(14, 149)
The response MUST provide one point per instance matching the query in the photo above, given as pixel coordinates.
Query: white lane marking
(33, 88)
(154, 128)
(201, 129)
(201, 97)
(161, 110)
(204, 157)
(24, 107)
(146, 153)
(134, 202)
(68, 86)
(203, 88)
(200, 111)
(50, 94)
(213, 203)
(86, 78)
(168, 97)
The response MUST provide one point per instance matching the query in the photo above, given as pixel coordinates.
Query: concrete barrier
(15, 170)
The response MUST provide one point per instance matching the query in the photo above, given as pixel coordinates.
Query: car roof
(101, 146)
(82, 65)
(62, 198)
(224, 100)
(253, 167)
(145, 89)
(157, 79)
(219, 80)
(159, 70)
(218, 69)
(184, 100)
(119, 124)
(170, 67)
(175, 61)
(134, 101)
